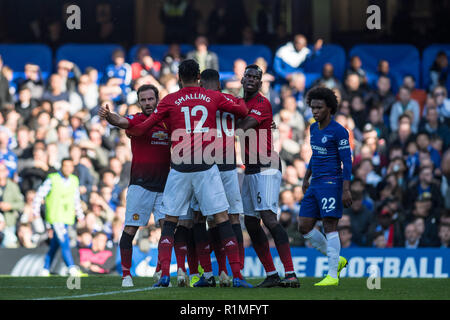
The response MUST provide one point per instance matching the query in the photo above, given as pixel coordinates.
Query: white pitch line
(97, 294)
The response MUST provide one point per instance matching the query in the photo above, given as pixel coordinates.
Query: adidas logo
(183, 248)
(230, 243)
(166, 241)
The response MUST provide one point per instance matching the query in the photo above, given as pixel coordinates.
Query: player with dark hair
(262, 181)
(149, 170)
(330, 184)
(191, 113)
(209, 79)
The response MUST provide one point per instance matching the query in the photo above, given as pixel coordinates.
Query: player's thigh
(231, 185)
(140, 204)
(177, 193)
(157, 214)
(330, 201)
(209, 191)
(309, 207)
(265, 190)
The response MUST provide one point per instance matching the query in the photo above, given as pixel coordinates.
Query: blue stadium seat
(331, 53)
(88, 55)
(157, 51)
(403, 59)
(228, 53)
(428, 56)
(17, 55)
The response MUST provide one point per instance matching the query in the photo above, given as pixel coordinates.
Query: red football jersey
(261, 154)
(191, 115)
(151, 155)
(226, 125)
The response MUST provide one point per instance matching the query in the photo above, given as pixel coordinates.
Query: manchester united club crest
(135, 217)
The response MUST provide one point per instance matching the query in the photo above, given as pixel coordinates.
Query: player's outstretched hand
(103, 111)
(347, 198)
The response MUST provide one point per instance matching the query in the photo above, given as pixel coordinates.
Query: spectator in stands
(2, 229)
(145, 65)
(297, 83)
(445, 183)
(84, 238)
(404, 132)
(290, 115)
(417, 94)
(233, 85)
(361, 218)
(423, 208)
(375, 118)
(83, 174)
(24, 148)
(356, 67)
(389, 228)
(439, 71)
(423, 144)
(381, 96)
(205, 58)
(68, 84)
(25, 105)
(353, 87)
(86, 95)
(33, 81)
(270, 93)
(11, 203)
(111, 180)
(346, 237)
(55, 91)
(172, 60)
(291, 57)
(119, 69)
(6, 155)
(24, 236)
(121, 177)
(290, 178)
(97, 259)
(412, 237)
(217, 22)
(358, 111)
(405, 103)
(433, 125)
(444, 235)
(442, 103)
(425, 186)
(5, 96)
(383, 70)
(328, 80)
(95, 149)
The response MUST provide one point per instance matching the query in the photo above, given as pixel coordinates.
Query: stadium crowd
(399, 137)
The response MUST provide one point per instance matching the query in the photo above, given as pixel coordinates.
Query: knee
(270, 221)
(303, 228)
(234, 219)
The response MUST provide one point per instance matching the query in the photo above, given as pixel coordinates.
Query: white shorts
(206, 186)
(260, 191)
(140, 204)
(231, 185)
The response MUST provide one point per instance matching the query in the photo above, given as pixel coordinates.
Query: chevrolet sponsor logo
(160, 135)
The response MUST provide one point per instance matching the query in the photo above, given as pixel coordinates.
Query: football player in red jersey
(209, 79)
(149, 170)
(262, 180)
(191, 113)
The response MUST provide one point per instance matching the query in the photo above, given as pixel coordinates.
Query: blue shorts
(321, 201)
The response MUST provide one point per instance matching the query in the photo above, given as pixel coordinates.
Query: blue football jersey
(330, 149)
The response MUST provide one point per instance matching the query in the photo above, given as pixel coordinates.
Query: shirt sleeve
(238, 108)
(345, 153)
(41, 193)
(161, 112)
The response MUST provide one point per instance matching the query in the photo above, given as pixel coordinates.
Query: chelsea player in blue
(330, 168)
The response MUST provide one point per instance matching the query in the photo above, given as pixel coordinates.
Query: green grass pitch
(109, 288)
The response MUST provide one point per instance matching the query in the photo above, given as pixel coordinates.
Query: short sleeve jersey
(191, 114)
(330, 149)
(151, 155)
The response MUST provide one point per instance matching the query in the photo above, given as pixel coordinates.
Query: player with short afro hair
(325, 94)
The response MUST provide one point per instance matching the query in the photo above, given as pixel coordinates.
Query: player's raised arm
(113, 118)
(346, 157)
(161, 112)
(239, 109)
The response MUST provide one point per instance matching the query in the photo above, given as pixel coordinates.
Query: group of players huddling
(184, 171)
